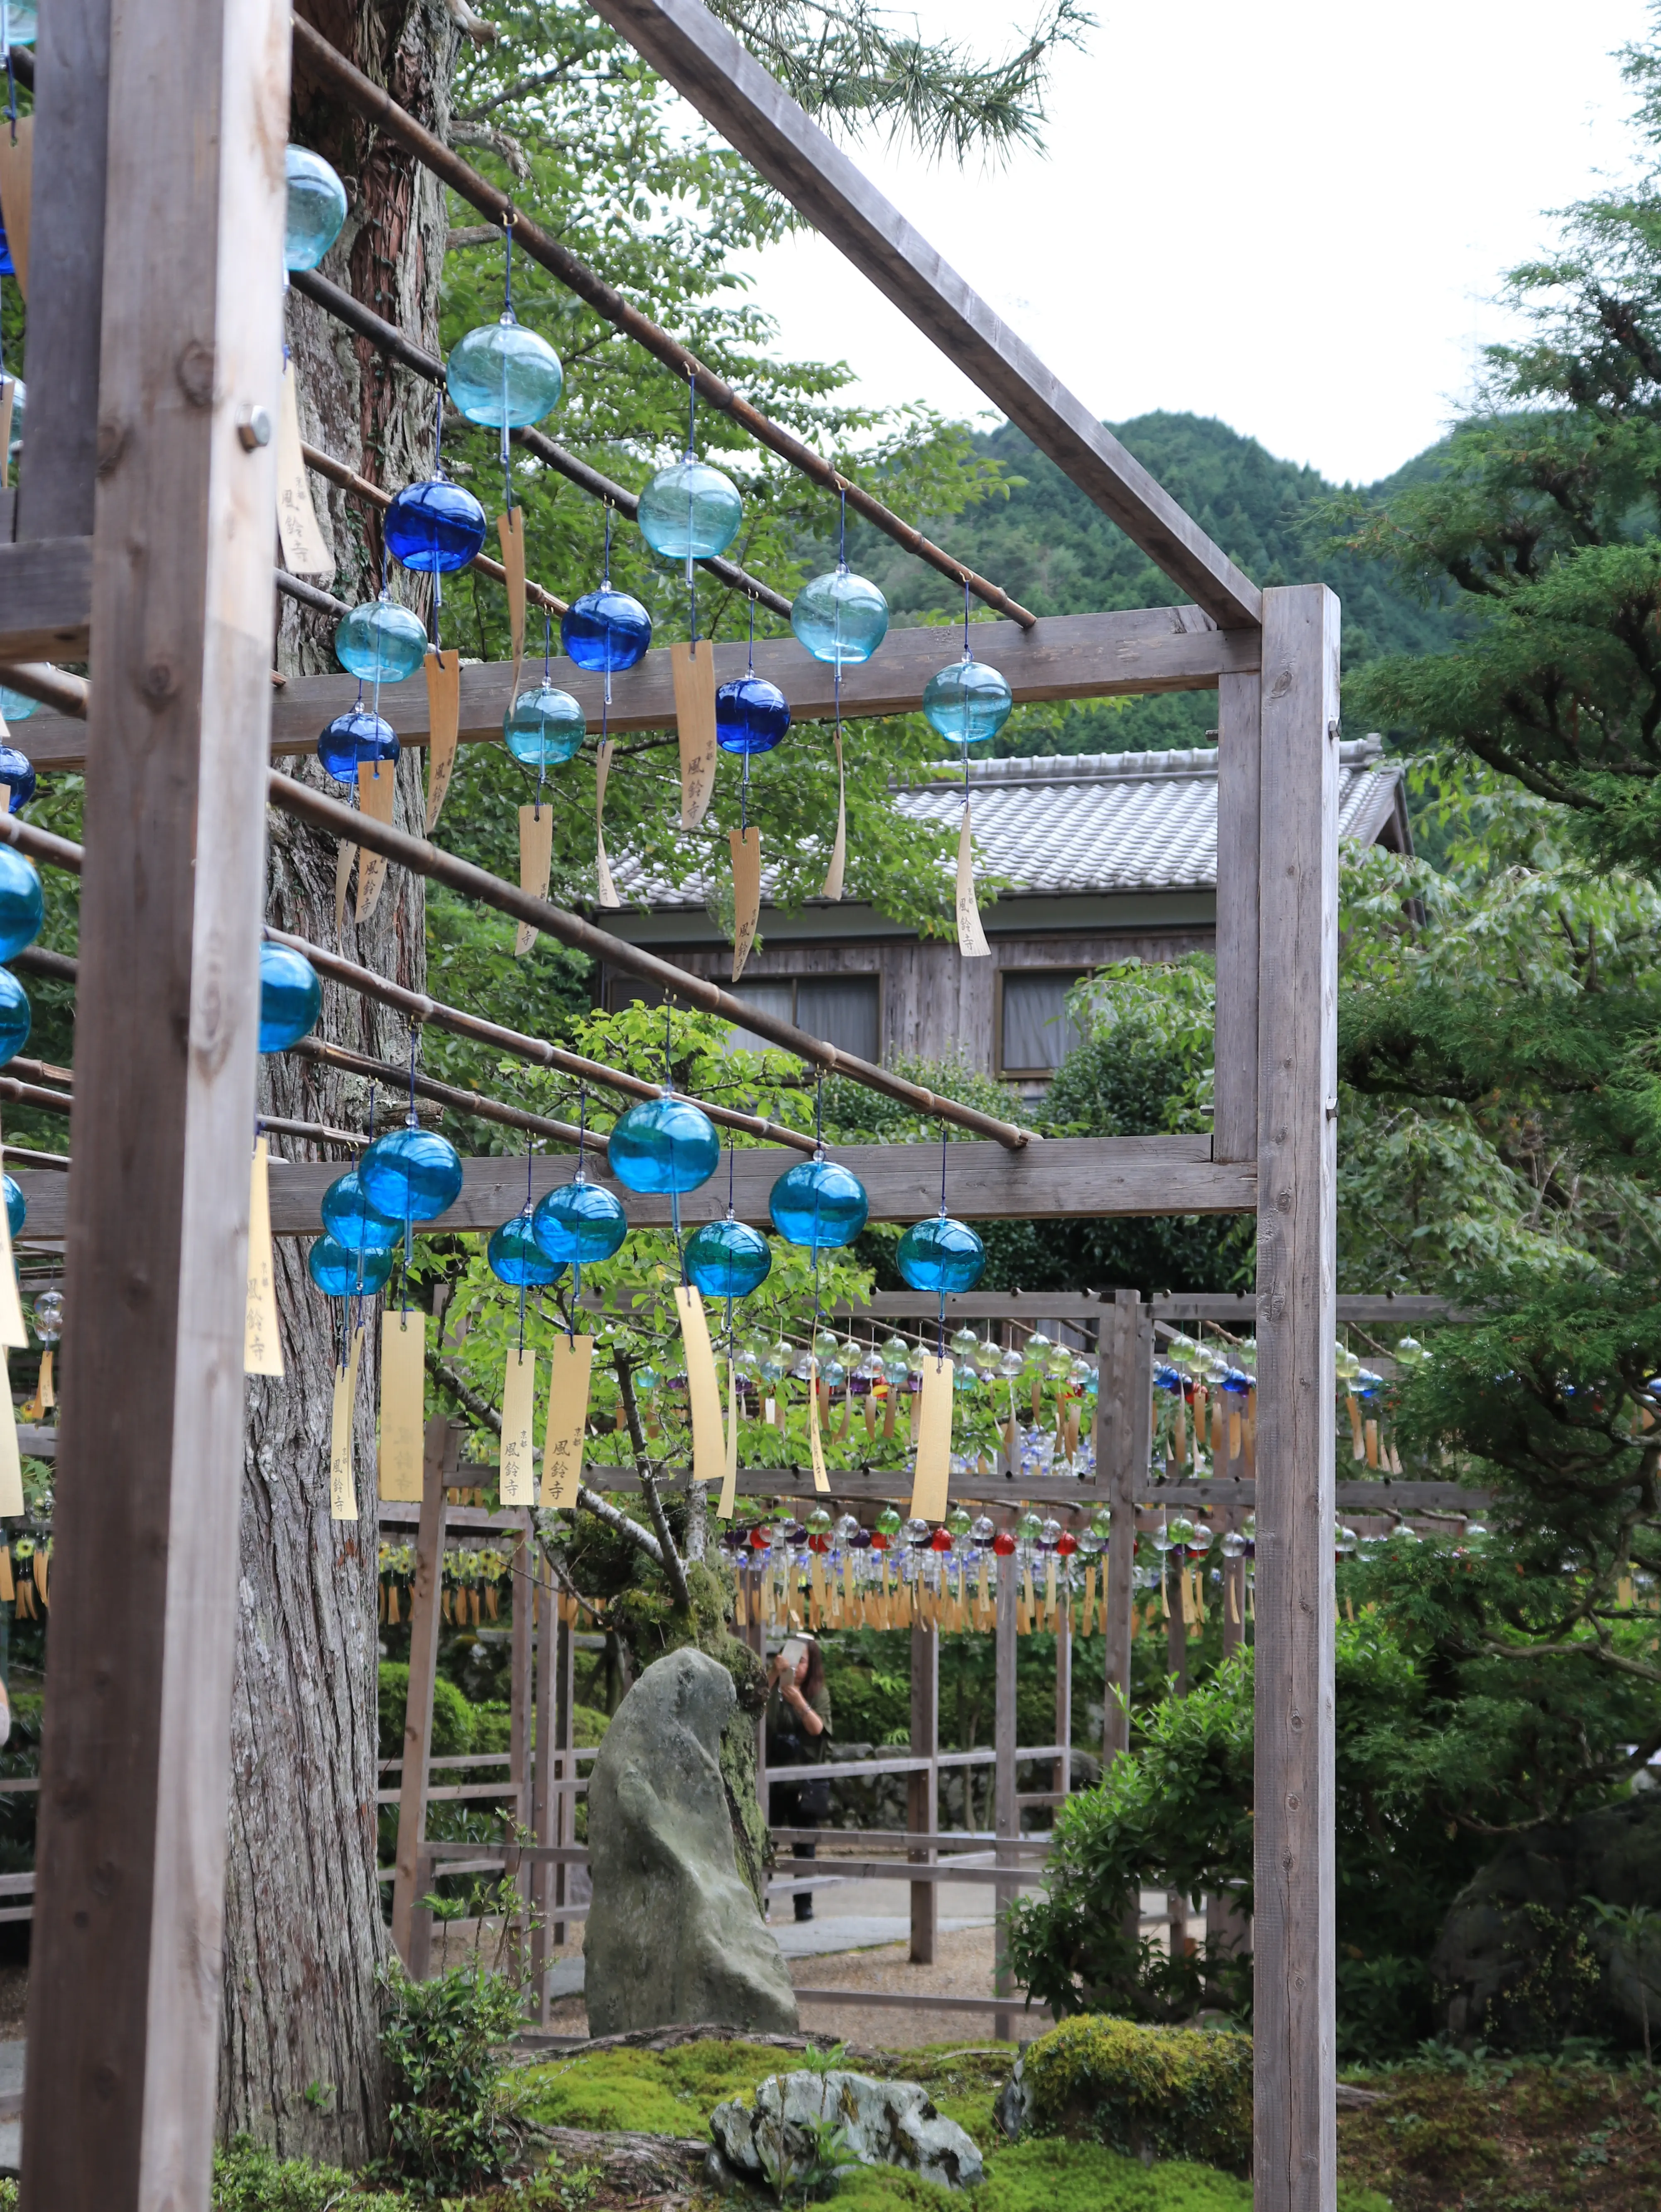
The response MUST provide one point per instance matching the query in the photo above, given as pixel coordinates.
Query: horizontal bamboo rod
(379, 107)
(324, 465)
(443, 1094)
(389, 340)
(312, 595)
(420, 1008)
(49, 686)
(41, 844)
(423, 859)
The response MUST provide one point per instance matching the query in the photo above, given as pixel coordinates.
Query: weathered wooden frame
(123, 2008)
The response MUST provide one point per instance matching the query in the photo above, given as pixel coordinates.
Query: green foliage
(453, 1722)
(439, 2037)
(670, 2093)
(1147, 2091)
(248, 2179)
(1056, 2176)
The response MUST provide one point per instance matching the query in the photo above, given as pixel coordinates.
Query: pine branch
(670, 1558)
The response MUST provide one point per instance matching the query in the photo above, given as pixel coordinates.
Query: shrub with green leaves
(1151, 2092)
(453, 1716)
(439, 2037)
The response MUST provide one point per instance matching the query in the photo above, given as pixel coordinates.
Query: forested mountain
(1051, 549)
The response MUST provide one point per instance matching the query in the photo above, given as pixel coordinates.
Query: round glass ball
(353, 738)
(21, 904)
(579, 1222)
(751, 715)
(17, 774)
(664, 1145)
(727, 1259)
(690, 511)
(818, 1206)
(967, 702)
(503, 376)
(412, 1175)
(353, 1222)
(606, 631)
(434, 527)
(840, 617)
(290, 996)
(49, 1317)
(17, 1207)
(517, 1259)
(317, 208)
(381, 642)
(941, 1255)
(17, 706)
(15, 1016)
(22, 21)
(543, 727)
(339, 1273)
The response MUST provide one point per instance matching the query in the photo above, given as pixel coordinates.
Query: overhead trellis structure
(141, 541)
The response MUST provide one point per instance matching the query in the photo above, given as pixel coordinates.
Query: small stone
(674, 1934)
(778, 2140)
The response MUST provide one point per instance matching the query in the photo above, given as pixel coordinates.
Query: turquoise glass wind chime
(967, 704)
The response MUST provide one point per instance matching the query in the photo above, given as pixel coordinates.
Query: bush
(439, 2037)
(246, 2178)
(492, 1727)
(1149, 2092)
(452, 1716)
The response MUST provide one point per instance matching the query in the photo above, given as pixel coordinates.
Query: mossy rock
(1160, 2092)
(453, 1716)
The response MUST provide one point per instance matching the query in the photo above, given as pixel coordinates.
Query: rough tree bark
(304, 1938)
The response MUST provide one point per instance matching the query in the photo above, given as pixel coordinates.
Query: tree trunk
(305, 1940)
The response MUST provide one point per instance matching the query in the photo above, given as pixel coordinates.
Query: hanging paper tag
(746, 893)
(693, 669)
(11, 1464)
(443, 721)
(45, 1391)
(16, 193)
(13, 1333)
(342, 876)
(606, 892)
(342, 1491)
(262, 1346)
(931, 1484)
(971, 938)
(304, 553)
(518, 1386)
(535, 860)
(815, 1441)
(706, 1446)
(510, 529)
(7, 396)
(377, 789)
(568, 1364)
(831, 887)
(729, 1481)
(399, 1462)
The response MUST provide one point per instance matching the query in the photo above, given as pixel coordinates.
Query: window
(1036, 1034)
(844, 1010)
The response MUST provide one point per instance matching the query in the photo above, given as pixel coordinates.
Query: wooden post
(1063, 1779)
(1121, 1449)
(1234, 1120)
(921, 1790)
(1296, 2132)
(520, 1694)
(1233, 1595)
(443, 1449)
(565, 1805)
(1006, 1813)
(1176, 1629)
(543, 1799)
(124, 1997)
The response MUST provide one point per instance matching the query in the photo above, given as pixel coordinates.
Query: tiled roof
(1095, 823)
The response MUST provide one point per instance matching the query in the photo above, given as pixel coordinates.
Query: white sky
(1293, 217)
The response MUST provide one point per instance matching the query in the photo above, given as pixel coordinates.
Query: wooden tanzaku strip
(379, 107)
(753, 112)
(420, 1008)
(324, 465)
(442, 1094)
(387, 337)
(421, 859)
(51, 687)
(312, 595)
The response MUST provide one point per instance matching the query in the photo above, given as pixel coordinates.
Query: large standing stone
(778, 2139)
(673, 1935)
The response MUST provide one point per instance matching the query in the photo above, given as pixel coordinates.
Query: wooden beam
(1111, 656)
(125, 2000)
(1121, 1471)
(705, 62)
(1295, 2130)
(45, 605)
(1234, 1118)
(1031, 1306)
(1241, 1310)
(57, 468)
(921, 1790)
(1006, 1813)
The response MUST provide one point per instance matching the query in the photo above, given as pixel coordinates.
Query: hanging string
(668, 1087)
(507, 317)
(939, 1333)
(606, 585)
(691, 454)
(744, 787)
(581, 1175)
(438, 471)
(530, 1154)
(542, 749)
